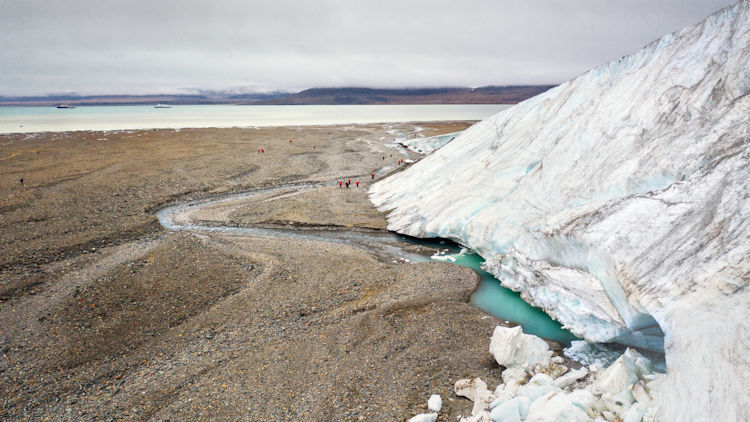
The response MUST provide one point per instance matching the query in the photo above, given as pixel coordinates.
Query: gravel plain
(106, 315)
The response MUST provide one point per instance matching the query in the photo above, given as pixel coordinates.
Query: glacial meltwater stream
(504, 303)
(490, 296)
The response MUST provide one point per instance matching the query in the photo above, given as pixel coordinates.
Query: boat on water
(160, 105)
(65, 106)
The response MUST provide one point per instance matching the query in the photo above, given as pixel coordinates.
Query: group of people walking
(347, 183)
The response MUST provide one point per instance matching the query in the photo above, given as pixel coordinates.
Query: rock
(512, 348)
(424, 417)
(435, 403)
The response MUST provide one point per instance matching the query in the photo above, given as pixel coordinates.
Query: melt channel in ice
(619, 202)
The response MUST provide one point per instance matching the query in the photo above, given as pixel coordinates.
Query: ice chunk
(468, 388)
(511, 348)
(614, 384)
(483, 416)
(435, 403)
(623, 373)
(581, 398)
(634, 414)
(513, 410)
(476, 391)
(424, 417)
(514, 375)
(556, 407)
(539, 385)
(595, 356)
(571, 377)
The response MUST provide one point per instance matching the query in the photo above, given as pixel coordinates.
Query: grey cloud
(112, 46)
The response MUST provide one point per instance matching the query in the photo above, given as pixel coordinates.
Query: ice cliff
(619, 202)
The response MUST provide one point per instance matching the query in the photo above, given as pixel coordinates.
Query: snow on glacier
(618, 202)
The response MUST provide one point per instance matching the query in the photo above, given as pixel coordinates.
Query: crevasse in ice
(619, 202)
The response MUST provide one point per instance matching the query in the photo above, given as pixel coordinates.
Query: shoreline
(178, 129)
(18, 120)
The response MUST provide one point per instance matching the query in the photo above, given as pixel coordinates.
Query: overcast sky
(181, 46)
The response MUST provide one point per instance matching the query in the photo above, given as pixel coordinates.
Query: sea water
(52, 119)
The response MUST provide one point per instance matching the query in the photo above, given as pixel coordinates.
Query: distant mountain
(449, 95)
(204, 98)
(348, 95)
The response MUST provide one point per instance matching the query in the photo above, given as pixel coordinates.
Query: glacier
(619, 202)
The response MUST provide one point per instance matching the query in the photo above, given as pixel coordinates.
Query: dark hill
(449, 95)
(349, 95)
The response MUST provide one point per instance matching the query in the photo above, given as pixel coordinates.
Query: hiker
(373, 176)
(347, 185)
(21, 180)
(357, 183)
(341, 183)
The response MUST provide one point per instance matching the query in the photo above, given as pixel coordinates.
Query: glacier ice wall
(619, 202)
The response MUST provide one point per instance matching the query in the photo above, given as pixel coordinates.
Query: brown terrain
(106, 315)
(482, 95)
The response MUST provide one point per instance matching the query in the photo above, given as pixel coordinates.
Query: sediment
(106, 315)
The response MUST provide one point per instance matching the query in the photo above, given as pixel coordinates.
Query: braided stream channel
(490, 295)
